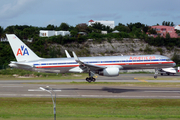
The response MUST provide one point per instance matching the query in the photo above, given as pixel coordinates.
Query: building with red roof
(163, 30)
(91, 21)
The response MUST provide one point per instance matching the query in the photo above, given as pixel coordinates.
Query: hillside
(125, 46)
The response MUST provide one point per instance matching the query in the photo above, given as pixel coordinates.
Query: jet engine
(110, 72)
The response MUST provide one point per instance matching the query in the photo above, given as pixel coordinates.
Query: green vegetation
(8, 73)
(89, 109)
(44, 46)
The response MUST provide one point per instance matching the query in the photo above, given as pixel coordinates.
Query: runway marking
(37, 90)
(143, 80)
(12, 86)
(163, 91)
(140, 80)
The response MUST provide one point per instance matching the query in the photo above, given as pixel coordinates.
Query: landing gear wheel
(161, 74)
(87, 79)
(90, 79)
(155, 77)
(93, 79)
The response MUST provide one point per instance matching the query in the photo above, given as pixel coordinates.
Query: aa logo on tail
(22, 51)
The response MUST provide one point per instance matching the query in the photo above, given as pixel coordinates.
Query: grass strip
(89, 108)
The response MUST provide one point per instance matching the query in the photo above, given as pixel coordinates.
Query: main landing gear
(90, 78)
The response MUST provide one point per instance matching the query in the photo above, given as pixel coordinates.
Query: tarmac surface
(25, 88)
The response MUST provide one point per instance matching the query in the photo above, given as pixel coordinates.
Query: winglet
(76, 58)
(67, 54)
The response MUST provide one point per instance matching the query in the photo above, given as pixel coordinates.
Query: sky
(44, 12)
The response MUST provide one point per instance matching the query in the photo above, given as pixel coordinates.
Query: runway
(89, 91)
(120, 78)
(25, 88)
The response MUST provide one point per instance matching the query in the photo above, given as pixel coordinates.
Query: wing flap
(83, 65)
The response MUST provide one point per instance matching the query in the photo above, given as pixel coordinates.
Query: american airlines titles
(143, 58)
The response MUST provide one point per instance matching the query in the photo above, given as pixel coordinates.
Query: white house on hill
(48, 33)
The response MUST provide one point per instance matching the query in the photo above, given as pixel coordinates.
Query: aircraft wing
(85, 65)
(94, 67)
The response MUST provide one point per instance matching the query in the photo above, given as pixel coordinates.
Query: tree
(176, 58)
(1, 32)
(64, 26)
(50, 27)
(97, 25)
(82, 27)
(172, 24)
(168, 37)
(163, 23)
(122, 28)
(74, 33)
(9, 30)
(137, 25)
(136, 31)
(167, 23)
(145, 28)
(152, 31)
(178, 31)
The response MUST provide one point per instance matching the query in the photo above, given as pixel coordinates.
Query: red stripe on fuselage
(106, 64)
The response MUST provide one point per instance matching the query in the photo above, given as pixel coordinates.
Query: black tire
(87, 79)
(161, 74)
(155, 77)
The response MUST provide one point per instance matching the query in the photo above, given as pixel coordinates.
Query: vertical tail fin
(21, 51)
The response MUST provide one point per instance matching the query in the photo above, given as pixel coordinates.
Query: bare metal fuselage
(63, 65)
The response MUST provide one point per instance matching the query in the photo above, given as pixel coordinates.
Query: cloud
(14, 8)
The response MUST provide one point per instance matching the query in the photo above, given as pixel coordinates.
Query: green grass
(89, 109)
(8, 74)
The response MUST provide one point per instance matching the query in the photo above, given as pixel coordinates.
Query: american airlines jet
(105, 65)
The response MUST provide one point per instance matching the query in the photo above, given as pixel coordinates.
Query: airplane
(169, 71)
(109, 66)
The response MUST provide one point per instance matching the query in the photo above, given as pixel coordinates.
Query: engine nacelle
(110, 72)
